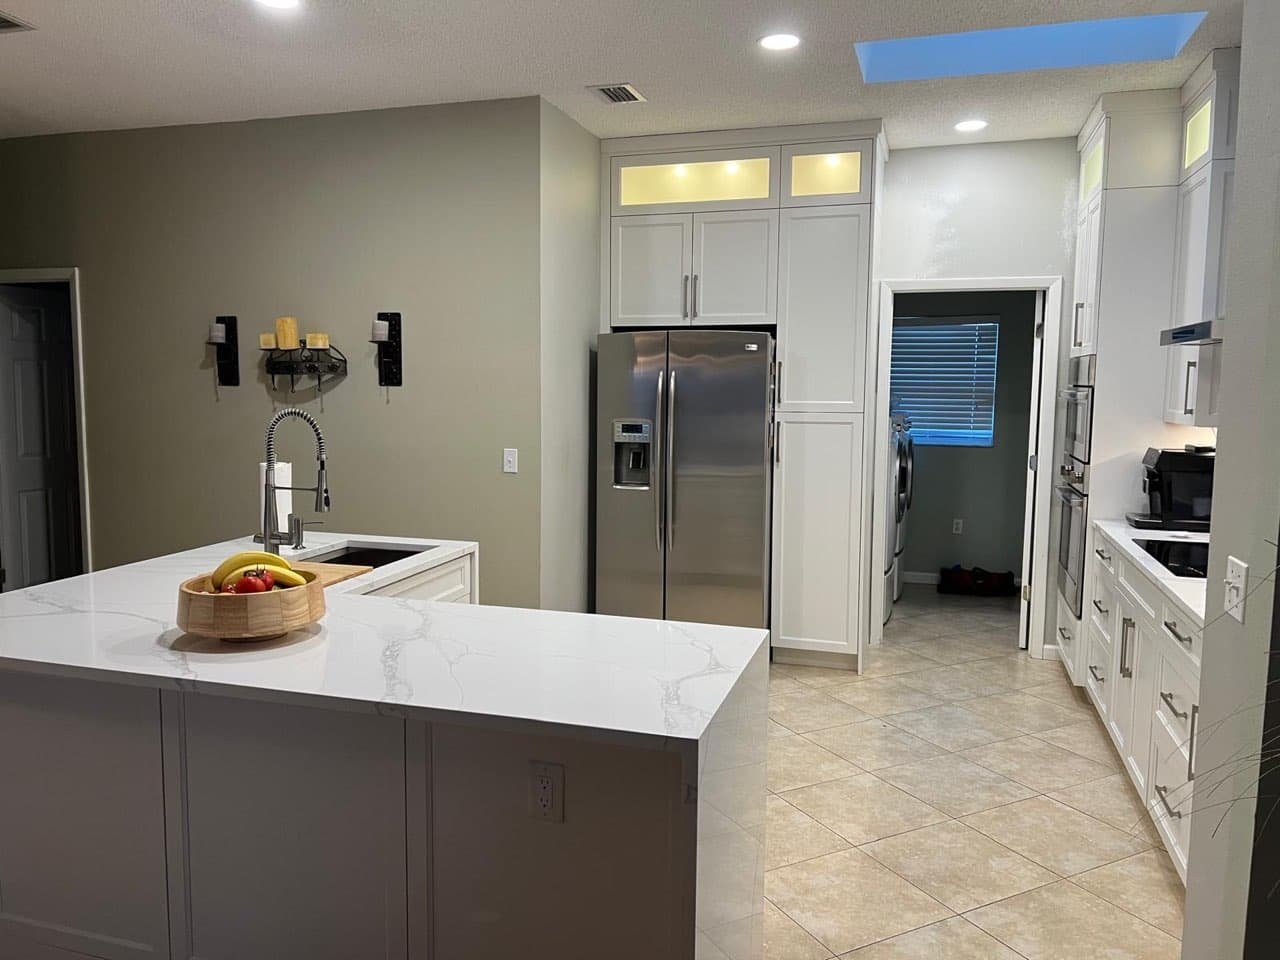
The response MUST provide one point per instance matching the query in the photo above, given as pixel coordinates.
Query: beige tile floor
(959, 801)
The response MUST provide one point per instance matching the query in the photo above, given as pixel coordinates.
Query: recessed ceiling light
(780, 41)
(971, 126)
(280, 4)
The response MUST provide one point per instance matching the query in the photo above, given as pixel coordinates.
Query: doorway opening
(960, 408)
(43, 508)
(964, 416)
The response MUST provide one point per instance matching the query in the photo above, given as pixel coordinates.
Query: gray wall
(432, 211)
(984, 486)
(570, 298)
(1246, 516)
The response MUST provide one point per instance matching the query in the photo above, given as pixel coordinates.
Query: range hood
(1192, 334)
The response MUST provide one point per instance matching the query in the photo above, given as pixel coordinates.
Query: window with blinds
(944, 379)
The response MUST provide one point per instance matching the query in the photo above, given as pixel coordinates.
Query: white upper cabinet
(1084, 316)
(735, 268)
(1209, 99)
(1181, 384)
(816, 533)
(737, 179)
(823, 262)
(650, 265)
(815, 174)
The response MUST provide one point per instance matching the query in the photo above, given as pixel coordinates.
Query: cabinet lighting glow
(731, 167)
(780, 41)
(281, 4)
(971, 126)
(832, 160)
(679, 170)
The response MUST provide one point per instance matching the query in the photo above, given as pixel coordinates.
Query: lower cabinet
(448, 583)
(817, 523)
(1134, 670)
(1071, 640)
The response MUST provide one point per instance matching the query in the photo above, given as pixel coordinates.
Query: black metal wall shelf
(304, 363)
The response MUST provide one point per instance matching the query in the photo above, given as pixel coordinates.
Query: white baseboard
(929, 578)
(933, 578)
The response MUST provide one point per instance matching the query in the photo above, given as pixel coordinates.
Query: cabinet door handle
(1102, 554)
(1126, 668)
(1187, 409)
(1163, 794)
(1075, 325)
(777, 384)
(1167, 699)
(1101, 609)
(684, 298)
(777, 443)
(1172, 627)
(1191, 742)
(694, 298)
(1065, 634)
(1096, 675)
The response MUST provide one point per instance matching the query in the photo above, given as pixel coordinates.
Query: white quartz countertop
(1187, 592)
(388, 655)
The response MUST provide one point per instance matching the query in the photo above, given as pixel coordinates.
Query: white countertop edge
(1187, 593)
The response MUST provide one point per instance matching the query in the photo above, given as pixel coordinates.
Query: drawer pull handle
(1065, 634)
(1167, 699)
(1172, 627)
(1163, 794)
(1102, 554)
(1101, 609)
(1096, 675)
(1191, 742)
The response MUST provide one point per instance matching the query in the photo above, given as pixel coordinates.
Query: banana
(245, 558)
(285, 576)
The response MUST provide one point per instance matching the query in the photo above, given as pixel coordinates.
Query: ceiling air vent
(619, 93)
(10, 24)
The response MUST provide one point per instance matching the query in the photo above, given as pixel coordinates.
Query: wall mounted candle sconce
(300, 359)
(226, 346)
(386, 337)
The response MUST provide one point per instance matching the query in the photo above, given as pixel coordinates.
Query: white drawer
(1069, 643)
(448, 582)
(1097, 671)
(1102, 607)
(1145, 594)
(1170, 800)
(1105, 552)
(1186, 636)
(1177, 700)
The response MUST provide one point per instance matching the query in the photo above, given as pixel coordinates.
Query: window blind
(944, 379)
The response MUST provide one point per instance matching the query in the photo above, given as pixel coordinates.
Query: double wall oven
(1075, 413)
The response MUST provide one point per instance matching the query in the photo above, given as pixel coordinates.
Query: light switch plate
(510, 460)
(1237, 583)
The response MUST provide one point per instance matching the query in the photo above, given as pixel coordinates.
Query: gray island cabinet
(374, 786)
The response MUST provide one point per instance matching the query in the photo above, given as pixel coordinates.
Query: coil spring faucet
(270, 537)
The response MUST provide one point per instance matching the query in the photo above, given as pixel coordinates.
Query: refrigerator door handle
(655, 466)
(671, 459)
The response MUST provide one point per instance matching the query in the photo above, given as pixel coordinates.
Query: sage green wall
(432, 211)
(984, 486)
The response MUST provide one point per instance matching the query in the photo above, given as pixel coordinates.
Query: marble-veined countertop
(451, 661)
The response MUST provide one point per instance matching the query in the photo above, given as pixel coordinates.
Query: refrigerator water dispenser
(632, 453)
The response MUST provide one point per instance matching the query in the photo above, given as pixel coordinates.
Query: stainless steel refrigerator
(683, 475)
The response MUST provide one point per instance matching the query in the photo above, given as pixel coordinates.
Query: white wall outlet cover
(510, 460)
(1237, 584)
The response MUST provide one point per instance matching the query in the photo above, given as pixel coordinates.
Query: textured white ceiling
(104, 64)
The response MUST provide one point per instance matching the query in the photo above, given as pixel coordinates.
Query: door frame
(1050, 287)
(71, 277)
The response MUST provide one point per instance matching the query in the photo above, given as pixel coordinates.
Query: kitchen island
(406, 778)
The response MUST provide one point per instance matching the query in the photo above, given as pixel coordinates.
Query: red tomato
(267, 577)
(228, 587)
(250, 583)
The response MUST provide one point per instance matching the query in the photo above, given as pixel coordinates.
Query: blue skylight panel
(1050, 46)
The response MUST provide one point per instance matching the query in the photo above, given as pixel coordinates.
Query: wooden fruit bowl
(248, 616)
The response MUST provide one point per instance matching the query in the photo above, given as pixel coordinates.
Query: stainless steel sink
(368, 556)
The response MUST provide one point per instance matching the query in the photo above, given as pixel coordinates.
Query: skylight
(1049, 46)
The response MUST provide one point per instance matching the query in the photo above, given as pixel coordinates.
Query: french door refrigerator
(683, 475)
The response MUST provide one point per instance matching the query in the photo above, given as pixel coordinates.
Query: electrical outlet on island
(546, 791)
(957, 526)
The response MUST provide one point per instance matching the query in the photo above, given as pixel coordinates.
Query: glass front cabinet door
(820, 174)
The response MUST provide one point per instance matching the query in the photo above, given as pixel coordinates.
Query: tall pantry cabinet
(772, 229)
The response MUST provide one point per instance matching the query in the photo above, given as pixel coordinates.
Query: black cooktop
(1182, 558)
